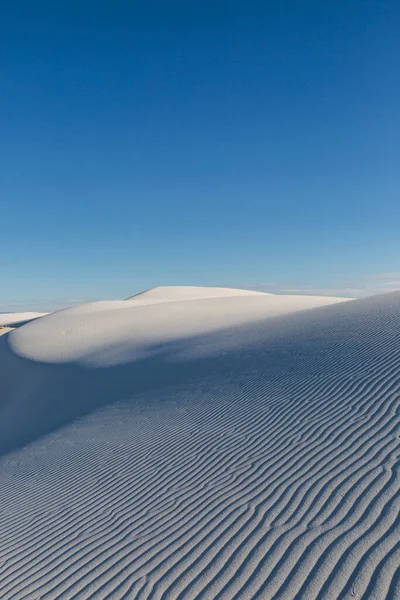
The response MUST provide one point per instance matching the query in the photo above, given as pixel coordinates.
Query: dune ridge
(175, 293)
(255, 460)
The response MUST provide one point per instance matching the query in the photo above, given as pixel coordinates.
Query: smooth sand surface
(202, 448)
(4, 330)
(179, 293)
(19, 318)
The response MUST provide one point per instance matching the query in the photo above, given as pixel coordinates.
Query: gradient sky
(196, 143)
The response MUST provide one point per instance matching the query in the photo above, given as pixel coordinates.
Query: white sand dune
(202, 448)
(11, 319)
(179, 293)
(4, 330)
(115, 332)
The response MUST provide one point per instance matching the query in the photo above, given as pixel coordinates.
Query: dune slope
(12, 319)
(4, 329)
(207, 449)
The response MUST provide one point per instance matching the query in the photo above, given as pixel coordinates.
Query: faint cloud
(368, 285)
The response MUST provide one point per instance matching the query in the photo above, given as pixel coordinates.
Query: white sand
(179, 293)
(115, 332)
(19, 318)
(202, 448)
(4, 330)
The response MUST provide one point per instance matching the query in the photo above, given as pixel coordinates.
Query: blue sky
(206, 143)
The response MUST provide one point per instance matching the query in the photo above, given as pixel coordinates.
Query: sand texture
(227, 447)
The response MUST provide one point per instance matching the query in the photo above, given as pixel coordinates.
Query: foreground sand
(202, 449)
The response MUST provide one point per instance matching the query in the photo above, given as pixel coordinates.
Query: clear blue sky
(209, 143)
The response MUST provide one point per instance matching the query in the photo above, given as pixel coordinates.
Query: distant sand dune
(205, 449)
(19, 318)
(179, 293)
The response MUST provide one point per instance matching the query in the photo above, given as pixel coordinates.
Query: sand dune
(179, 293)
(19, 318)
(202, 448)
(4, 330)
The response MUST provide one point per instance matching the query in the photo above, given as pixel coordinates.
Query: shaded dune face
(212, 450)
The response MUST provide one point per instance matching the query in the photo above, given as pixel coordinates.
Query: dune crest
(179, 293)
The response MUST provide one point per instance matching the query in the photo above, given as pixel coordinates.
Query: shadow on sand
(37, 398)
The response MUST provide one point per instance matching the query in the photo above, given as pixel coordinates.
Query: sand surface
(19, 318)
(4, 330)
(202, 448)
(177, 293)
